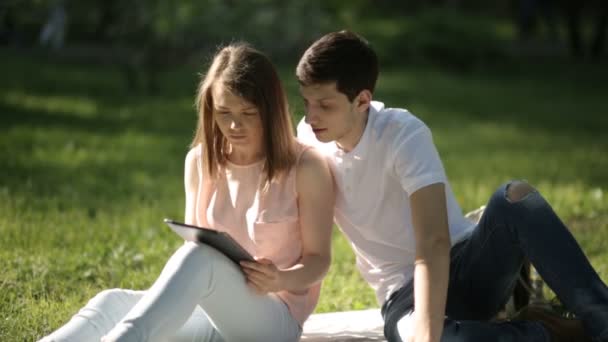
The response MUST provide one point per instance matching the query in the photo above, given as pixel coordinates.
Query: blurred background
(96, 116)
(148, 36)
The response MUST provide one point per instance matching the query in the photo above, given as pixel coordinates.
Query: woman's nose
(235, 123)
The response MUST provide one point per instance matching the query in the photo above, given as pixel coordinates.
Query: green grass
(88, 171)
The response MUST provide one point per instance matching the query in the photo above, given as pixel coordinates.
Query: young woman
(245, 175)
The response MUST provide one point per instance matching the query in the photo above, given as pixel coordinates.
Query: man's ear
(363, 100)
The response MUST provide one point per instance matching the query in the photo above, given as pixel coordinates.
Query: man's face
(329, 112)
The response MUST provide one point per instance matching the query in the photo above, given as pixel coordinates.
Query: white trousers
(200, 295)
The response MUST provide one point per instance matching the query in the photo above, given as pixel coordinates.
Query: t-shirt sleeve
(305, 133)
(416, 161)
(307, 137)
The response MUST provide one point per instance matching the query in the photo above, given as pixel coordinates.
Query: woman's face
(238, 120)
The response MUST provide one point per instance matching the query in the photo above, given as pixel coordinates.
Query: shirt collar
(360, 150)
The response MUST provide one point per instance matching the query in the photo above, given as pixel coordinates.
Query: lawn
(88, 170)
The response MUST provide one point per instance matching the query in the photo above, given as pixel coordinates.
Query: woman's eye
(250, 113)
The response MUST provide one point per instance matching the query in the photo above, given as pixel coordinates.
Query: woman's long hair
(248, 73)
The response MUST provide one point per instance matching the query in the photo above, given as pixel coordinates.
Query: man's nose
(311, 117)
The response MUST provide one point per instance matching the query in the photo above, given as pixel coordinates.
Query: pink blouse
(265, 223)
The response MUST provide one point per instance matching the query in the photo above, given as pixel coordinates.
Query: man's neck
(352, 138)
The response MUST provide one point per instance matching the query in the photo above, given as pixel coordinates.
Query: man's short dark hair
(342, 57)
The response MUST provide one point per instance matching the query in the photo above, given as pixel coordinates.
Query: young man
(412, 244)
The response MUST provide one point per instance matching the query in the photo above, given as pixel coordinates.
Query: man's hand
(262, 276)
(422, 333)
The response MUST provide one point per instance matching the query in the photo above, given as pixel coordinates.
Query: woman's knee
(107, 297)
(200, 258)
(193, 252)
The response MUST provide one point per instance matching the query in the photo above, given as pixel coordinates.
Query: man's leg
(484, 268)
(467, 321)
(519, 222)
(399, 313)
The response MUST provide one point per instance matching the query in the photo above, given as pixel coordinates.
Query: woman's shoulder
(311, 163)
(194, 154)
(313, 175)
(193, 160)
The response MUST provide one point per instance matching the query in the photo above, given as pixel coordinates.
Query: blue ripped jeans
(484, 269)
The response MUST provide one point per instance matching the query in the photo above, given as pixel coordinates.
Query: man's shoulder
(393, 123)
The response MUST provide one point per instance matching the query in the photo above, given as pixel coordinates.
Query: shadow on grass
(486, 118)
(15, 116)
(557, 99)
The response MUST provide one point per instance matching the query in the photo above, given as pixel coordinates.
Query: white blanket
(359, 325)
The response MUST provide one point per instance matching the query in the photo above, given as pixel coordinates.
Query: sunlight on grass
(76, 106)
(88, 173)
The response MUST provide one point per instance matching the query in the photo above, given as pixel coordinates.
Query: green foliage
(439, 36)
(276, 26)
(453, 37)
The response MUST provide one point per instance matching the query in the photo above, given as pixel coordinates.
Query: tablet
(218, 240)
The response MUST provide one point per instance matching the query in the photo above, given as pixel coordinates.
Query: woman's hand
(262, 276)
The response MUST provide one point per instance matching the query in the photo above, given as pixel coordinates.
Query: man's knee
(518, 190)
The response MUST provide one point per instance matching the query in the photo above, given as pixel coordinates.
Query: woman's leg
(199, 275)
(96, 318)
(108, 307)
(198, 328)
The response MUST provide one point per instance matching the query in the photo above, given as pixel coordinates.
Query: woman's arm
(315, 188)
(191, 179)
(316, 198)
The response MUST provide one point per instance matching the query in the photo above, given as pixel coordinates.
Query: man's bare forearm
(430, 290)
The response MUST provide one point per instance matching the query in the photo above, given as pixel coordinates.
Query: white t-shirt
(394, 158)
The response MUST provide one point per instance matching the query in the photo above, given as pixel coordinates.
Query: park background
(96, 115)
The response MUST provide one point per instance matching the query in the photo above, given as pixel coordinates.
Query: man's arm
(431, 275)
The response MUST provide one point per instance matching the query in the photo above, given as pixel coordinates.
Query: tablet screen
(218, 240)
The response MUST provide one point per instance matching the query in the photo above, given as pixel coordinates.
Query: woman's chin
(239, 142)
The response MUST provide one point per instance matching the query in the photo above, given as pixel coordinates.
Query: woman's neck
(242, 156)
